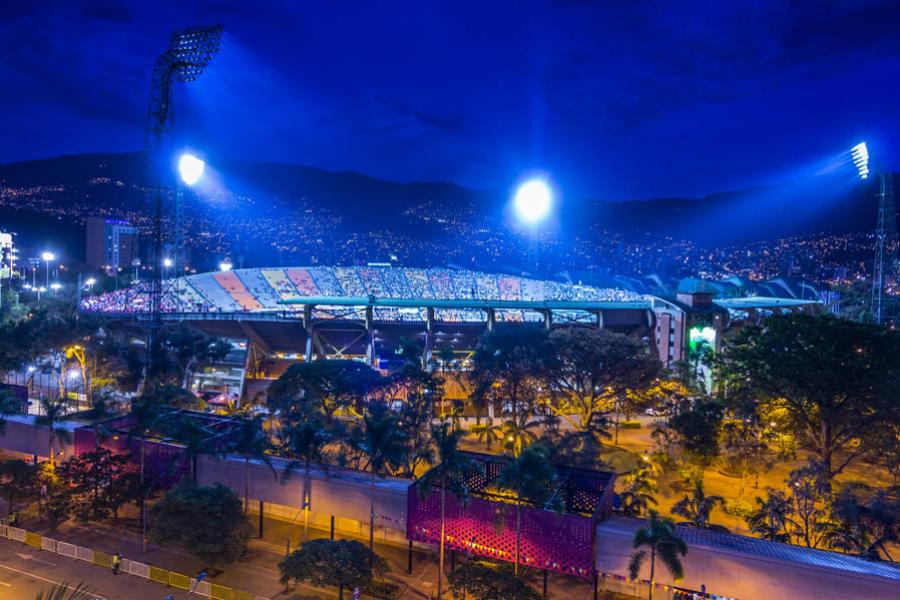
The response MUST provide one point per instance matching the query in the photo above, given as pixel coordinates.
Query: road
(25, 571)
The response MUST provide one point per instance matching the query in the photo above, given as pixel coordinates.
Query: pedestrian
(116, 562)
(14, 519)
(200, 577)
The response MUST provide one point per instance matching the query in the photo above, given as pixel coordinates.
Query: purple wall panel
(558, 542)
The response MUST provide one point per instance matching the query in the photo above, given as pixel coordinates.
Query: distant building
(110, 243)
(7, 255)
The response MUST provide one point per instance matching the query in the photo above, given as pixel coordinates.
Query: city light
(190, 168)
(860, 155)
(533, 201)
(167, 262)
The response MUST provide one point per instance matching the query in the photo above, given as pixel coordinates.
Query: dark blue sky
(616, 99)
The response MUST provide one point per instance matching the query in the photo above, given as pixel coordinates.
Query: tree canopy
(836, 379)
(338, 563)
(205, 521)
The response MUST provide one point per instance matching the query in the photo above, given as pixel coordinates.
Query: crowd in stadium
(255, 290)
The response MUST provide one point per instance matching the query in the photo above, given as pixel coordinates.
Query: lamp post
(533, 201)
(48, 257)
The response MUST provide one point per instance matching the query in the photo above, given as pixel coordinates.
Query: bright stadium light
(167, 262)
(533, 201)
(860, 155)
(190, 168)
(48, 256)
(225, 265)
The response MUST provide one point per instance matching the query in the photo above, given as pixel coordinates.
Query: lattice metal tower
(188, 54)
(885, 243)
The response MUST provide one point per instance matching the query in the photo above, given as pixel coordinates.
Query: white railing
(64, 549)
(137, 569)
(85, 554)
(201, 589)
(48, 545)
(14, 533)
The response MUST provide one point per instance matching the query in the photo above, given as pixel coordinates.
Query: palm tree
(63, 591)
(449, 471)
(383, 444)
(661, 537)
(54, 411)
(697, 507)
(638, 493)
(487, 432)
(305, 445)
(771, 518)
(516, 435)
(252, 443)
(530, 478)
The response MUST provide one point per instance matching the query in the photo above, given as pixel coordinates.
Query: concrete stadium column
(310, 331)
(370, 335)
(429, 337)
(599, 321)
(650, 318)
(491, 318)
(548, 318)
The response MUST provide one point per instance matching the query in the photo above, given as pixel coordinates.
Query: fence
(101, 559)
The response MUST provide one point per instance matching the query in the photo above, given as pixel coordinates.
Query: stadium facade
(282, 315)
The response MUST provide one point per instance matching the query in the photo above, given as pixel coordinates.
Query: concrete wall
(340, 492)
(743, 576)
(22, 438)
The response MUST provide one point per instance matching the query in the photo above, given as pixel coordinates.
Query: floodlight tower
(188, 54)
(885, 228)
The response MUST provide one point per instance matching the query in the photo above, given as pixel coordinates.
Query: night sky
(615, 99)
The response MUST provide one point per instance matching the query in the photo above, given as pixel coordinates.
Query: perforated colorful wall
(558, 542)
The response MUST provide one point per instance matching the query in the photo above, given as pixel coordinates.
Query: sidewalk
(257, 572)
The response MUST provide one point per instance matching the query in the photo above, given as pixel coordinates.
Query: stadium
(366, 312)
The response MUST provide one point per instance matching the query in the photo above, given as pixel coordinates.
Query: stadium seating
(267, 290)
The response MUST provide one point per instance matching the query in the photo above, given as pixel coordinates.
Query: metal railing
(149, 572)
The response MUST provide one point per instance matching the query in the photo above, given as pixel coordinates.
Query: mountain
(251, 208)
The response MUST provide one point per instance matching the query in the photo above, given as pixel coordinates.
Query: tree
(867, 522)
(698, 431)
(488, 580)
(251, 442)
(384, 445)
(697, 507)
(306, 438)
(638, 493)
(810, 521)
(506, 365)
(588, 368)
(449, 472)
(64, 591)
(661, 537)
(91, 479)
(771, 519)
(53, 412)
(9, 405)
(516, 435)
(530, 478)
(487, 432)
(327, 384)
(205, 521)
(18, 481)
(745, 449)
(837, 380)
(340, 563)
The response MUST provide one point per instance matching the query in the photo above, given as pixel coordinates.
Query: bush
(630, 425)
(384, 590)
(737, 507)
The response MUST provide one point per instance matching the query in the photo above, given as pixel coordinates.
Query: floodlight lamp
(860, 155)
(48, 256)
(190, 168)
(191, 50)
(533, 201)
(225, 265)
(167, 262)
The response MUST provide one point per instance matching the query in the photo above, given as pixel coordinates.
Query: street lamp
(48, 257)
(40, 291)
(55, 287)
(90, 283)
